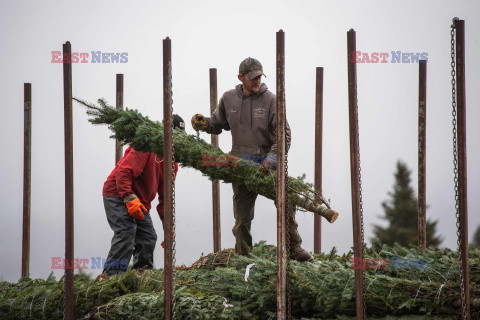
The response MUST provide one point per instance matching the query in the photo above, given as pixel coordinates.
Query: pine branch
(131, 127)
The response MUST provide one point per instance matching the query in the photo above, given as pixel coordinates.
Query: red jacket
(139, 173)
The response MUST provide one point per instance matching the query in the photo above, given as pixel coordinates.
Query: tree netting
(132, 128)
(227, 286)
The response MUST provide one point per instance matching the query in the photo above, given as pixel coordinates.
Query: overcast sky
(221, 34)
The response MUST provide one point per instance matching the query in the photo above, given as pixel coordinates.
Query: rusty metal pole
(217, 245)
(67, 102)
(462, 160)
(355, 172)
(27, 160)
(168, 176)
(422, 155)
(280, 201)
(317, 220)
(119, 104)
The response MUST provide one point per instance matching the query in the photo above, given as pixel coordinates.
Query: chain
(361, 209)
(455, 167)
(421, 243)
(287, 223)
(174, 271)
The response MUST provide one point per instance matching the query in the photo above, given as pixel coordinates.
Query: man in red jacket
(127, 196)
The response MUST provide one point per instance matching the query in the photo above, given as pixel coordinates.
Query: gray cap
(251, 67)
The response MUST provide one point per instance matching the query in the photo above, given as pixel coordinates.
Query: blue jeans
(131, 237)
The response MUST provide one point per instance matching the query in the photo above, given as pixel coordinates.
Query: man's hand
(135, 209)
(270, 162)
(199, 122)
(163, 242)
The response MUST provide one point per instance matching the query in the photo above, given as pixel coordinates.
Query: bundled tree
(401, 212)
(131, 127)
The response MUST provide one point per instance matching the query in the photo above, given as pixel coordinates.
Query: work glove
(270, 162)
(163, 242)
(135, 209)
(199, 122)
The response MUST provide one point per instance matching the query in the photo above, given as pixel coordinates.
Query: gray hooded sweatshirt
(251, 119)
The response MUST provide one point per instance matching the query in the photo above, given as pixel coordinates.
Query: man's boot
(300, 254)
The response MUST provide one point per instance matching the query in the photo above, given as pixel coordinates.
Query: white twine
(417, 292)
(344, 288)
(247, 271)
(370, 283)
(213, 261)
(31, 305)
(100, 292)
(45, 301)
(86, 293)
(439, 273)
(228, 258)
(391, 291)
(225, 304)
(22, 304)
(439, 290)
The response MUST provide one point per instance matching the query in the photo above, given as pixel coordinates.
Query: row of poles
(281, 187)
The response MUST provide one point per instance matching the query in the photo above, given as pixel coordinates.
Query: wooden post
(168, 176)
(119, 105)
(217, 245)
(462, 162)
(355, 173)
(422, 116)
(281, 192)
(67, 102)
(317, 220)
(27, 160)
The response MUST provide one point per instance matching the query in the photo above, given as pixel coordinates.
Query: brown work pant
(243, 211)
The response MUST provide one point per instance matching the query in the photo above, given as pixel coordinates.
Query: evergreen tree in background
(401, 211)
(476, 238)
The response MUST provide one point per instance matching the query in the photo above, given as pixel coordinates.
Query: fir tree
(401, 212)
(476, 237)
(131, 127)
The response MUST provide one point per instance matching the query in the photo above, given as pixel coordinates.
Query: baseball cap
(251, 67)
(178, 122)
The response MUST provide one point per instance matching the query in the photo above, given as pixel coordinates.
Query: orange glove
(270, 162)
(163, 242)
(199, 122)
(135, 208)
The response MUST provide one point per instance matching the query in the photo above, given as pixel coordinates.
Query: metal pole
(168, 176)
(119, 98)
(355, 171)
(422, 122)
(215, 183)
(317, 220)
(280, 201)
(67, 102)
(27, 160)
(462, 160)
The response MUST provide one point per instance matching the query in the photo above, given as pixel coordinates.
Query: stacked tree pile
(226, 286)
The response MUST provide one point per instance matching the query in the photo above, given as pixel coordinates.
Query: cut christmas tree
(132, 128)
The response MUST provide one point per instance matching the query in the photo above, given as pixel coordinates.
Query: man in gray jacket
(249, 112)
